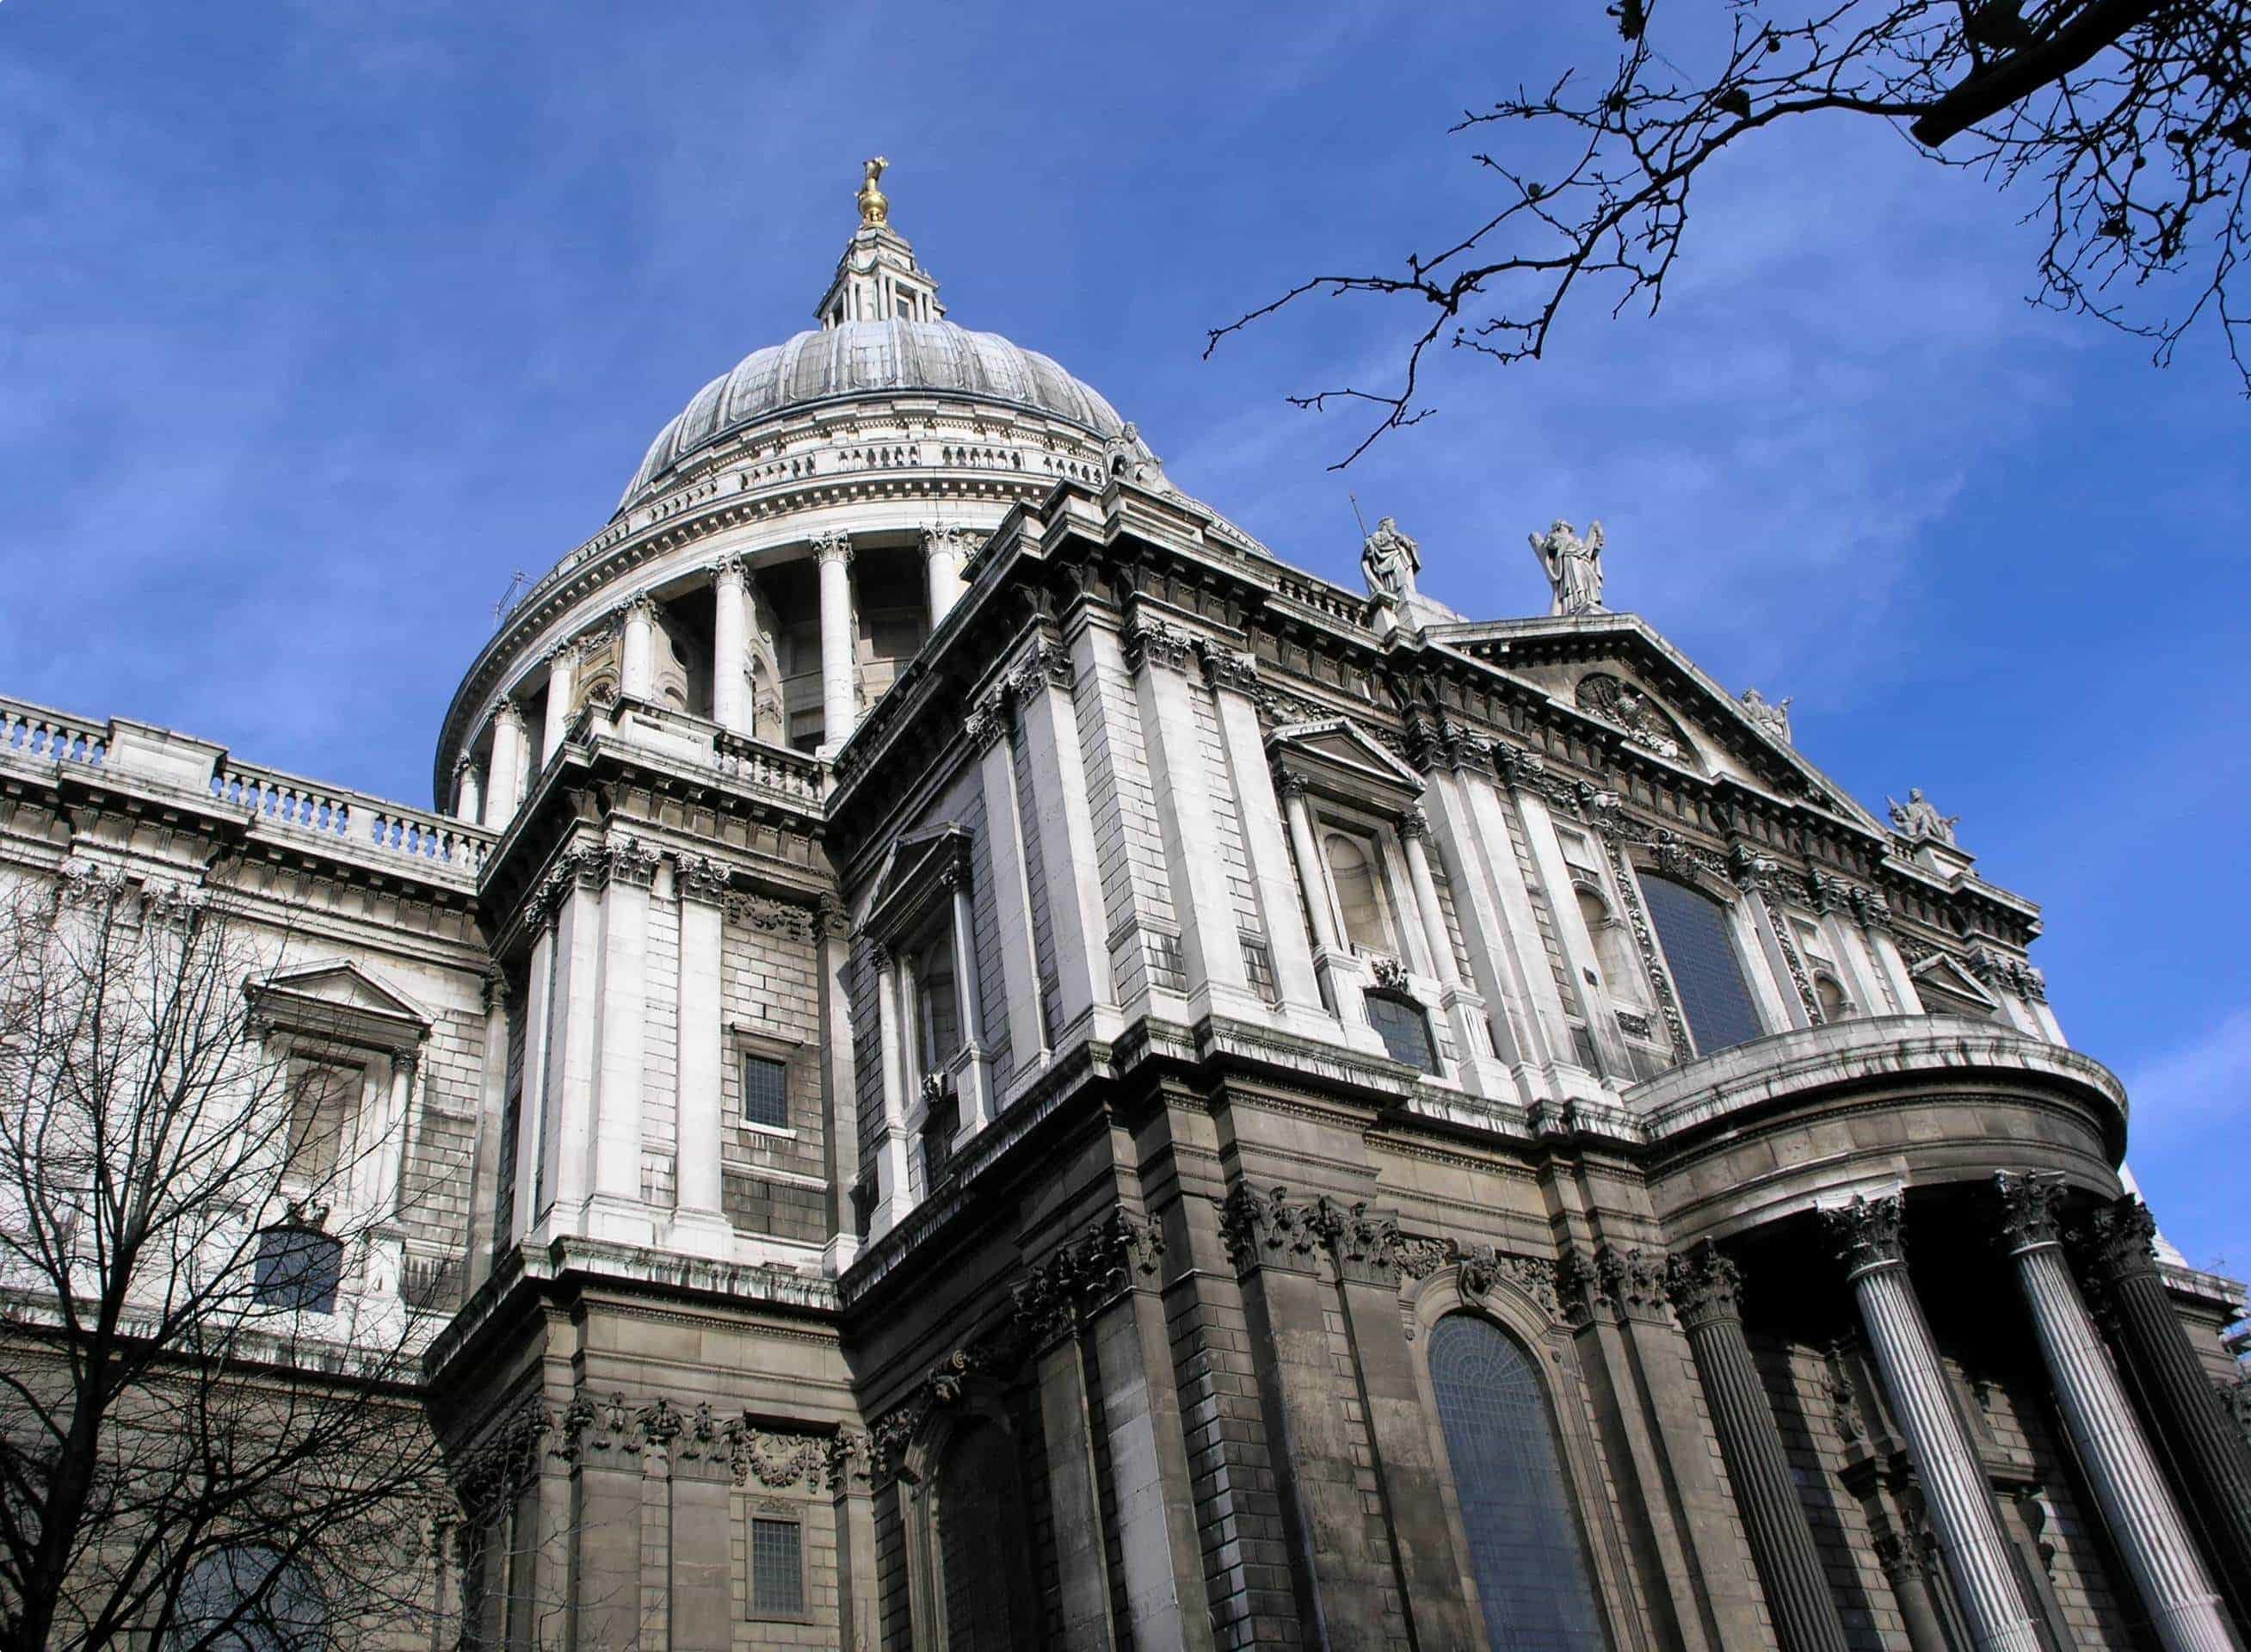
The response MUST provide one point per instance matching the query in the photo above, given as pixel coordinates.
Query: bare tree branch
(2132, 119)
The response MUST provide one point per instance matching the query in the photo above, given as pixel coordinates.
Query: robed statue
(1919, 817)
(1574, 567)
(1390, 560)
(1772, 715)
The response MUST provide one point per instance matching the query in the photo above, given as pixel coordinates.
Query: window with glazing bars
(777, 1568)
(1692, 929)
(1525, 1550)
(765, 1092)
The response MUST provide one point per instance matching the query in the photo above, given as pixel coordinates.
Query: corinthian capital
(1868, 1233)
(833, 546)
(1704, 1286)
(2028, 1212)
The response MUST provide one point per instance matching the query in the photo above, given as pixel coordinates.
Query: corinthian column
(840, 704)
(561, 686)
(637, 658)
(1706, 1293)
(2136, 1505)
(941, 557)
(730, 690)
(2176, 1391)
(1960, 1502)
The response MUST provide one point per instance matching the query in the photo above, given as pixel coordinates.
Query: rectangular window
(939, 1127)
(765, 1092)
(320, 1108)
(297, 1268)
(1404, 1029)
(1259, 968)
(777, 1568)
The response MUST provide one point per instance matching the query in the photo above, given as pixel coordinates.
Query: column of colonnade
(1871, 1243)
(489, 793)
(2138, 1507)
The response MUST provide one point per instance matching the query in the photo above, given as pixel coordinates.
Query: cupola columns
(637, 669)
(562, 688)
(731, 700)
(941, 557)
(504, 780)
(840, 699)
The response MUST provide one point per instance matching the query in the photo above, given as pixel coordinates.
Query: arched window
(1352, 867)
(1707, 971)
(1829, 994)
(247, 1598)
(982, 1589)
(1516, 1508)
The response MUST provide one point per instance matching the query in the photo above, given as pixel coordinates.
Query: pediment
(1941, 976)
(917, 873)
(1622, 674)
(342, 1001)
(1338, 755)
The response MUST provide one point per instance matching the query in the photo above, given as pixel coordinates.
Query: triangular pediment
(342, 1001)
(911, 879)
(1654, 695)
(348, 986)
(1339, 754)
(1945, 986)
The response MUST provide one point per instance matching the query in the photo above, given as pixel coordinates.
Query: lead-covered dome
(854, 358)
(882, 333)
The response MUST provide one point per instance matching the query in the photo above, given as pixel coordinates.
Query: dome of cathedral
(849, 358)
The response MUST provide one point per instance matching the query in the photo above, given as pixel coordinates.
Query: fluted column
(941, 562)
(637, 662)
(1869, 1242)
(2177, 1391)
(1706, 1293)
(840, 702)
(2148, 1530)
(730, 690)
(699, 1220)
(468, 791)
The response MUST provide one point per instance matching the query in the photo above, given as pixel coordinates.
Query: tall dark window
(1707, 969)
(1405, 1030)
(979, 1548)
(1516, 1509)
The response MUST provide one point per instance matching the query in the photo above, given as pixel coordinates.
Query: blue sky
(318, 322)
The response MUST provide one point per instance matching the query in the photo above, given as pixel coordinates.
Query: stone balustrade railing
(35, 732)
(348, 819)
(1339, 606)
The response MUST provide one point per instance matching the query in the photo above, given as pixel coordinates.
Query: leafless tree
(2127, 123)
(210, 1433)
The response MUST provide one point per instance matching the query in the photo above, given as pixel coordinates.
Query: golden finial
(875, 209)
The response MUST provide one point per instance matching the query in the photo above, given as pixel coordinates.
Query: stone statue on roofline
(1919, 819)
(1390, 559)
(1574, 567)
(1772, 715)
